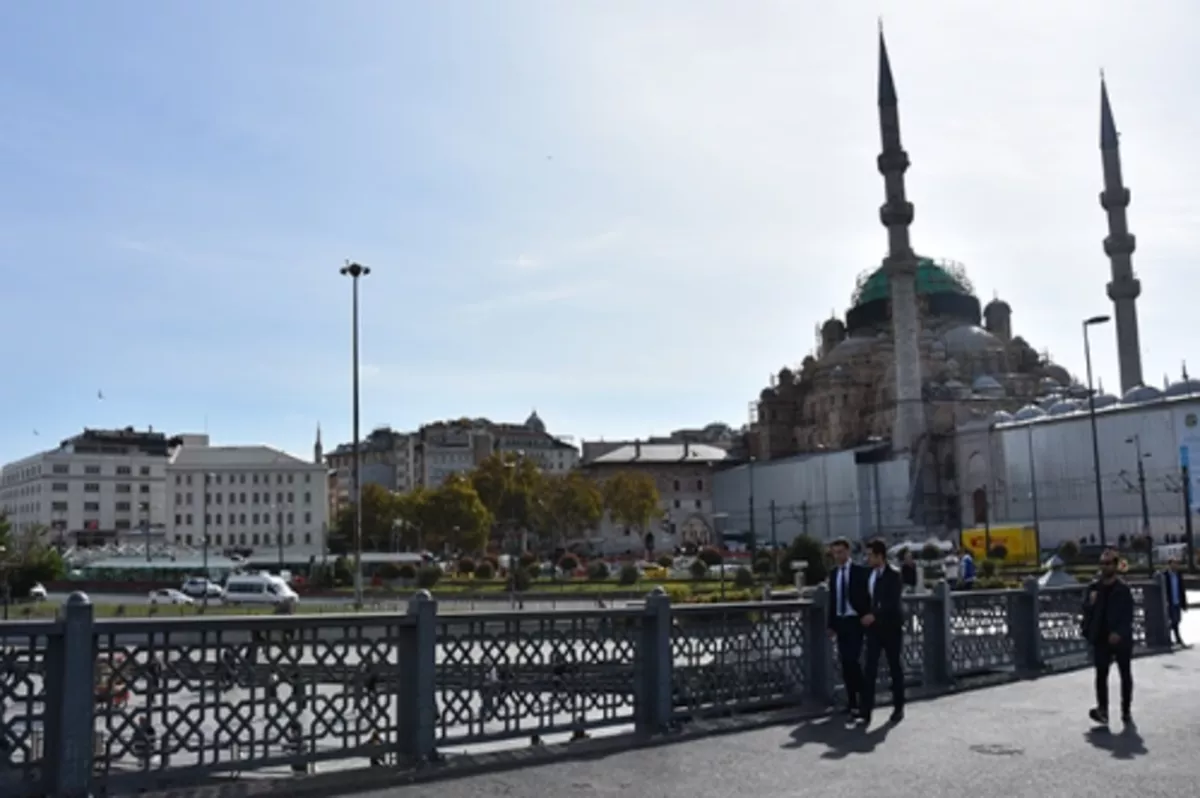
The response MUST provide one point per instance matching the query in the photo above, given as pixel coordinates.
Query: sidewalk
(1028, 738)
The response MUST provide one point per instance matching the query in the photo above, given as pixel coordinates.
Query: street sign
(1183, 456)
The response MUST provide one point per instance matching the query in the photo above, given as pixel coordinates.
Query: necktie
(843, 584)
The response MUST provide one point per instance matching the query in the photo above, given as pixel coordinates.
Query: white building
(254, 501)
(1037, 465)
(683, 473)
(455, 447)
(99, 486)
(388, 459)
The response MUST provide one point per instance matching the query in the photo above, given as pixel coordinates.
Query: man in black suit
(884, 625)
(848, 602)
(1177, 603)
(1108, 626)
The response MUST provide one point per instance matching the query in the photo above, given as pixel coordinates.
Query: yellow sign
(1020, 543)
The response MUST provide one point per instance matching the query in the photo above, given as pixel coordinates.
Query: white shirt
(871, 582)
(844, 590)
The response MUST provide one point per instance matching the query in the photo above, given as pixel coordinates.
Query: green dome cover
(932, 278)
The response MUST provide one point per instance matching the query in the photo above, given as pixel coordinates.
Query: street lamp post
(1087, 357)
(717, 517)
(204, 538)
(355, 271)
(279, 512)
(1136, 440)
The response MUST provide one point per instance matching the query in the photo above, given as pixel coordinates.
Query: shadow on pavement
(1125, 744)
(840, 741)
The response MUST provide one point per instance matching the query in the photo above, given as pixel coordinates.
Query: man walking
(884, 628)
(1108, 626)
(1177, 603)
(849, 601)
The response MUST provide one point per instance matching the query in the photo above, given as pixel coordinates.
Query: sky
(624, 215)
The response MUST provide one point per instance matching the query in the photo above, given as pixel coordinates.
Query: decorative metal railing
(124, 705)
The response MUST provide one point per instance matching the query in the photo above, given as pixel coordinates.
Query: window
(677, 501)
(144, 471)
(267, 540)
(123, 487)
(178, 479)
(91, 507)
(256, 518)
(233, 498)
(241, 498)
(242, 481)
(279, 498)
(121, 523)
(92, 469)
(279, 479)
(218, 540)
(218, 497)
(189, 540)
(91, 487)
(291, 539)
(218, 519)
(207, 519)
(307, 478)
(189, 479)
(676, 484)
(697, 504)
(699, 484)
(189, 523)
(241, 518)
(255, 481)
(308, 518)
(124, 471)
(143, 488)
(123, 507)
(307, 538)
(59, 487)
(58, 507)
(291, 518)
(289, 479)
(254, 539)
(218, 476)
(291, 498)
(256, 498)
(308, 498)
(61, 468)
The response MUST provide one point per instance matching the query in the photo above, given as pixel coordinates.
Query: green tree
(804, 549)
(378, 517)
(631, 498)
(455, 516)
(411, 511)
(569, 506)
(509, 487)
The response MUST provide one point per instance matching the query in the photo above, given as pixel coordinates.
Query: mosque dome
(1104, 400)
(1063, 407)
(1029, 412)
(1140, 394)
(932, 278)
(987, 385)
(1183, 388)
(970, 338)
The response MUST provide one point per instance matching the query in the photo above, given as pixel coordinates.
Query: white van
(259, 588)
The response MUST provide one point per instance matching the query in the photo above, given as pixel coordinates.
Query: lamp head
(1096, 320)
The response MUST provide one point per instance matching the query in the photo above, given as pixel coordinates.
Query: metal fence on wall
(123, 705)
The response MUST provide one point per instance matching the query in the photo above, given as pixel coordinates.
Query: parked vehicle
(170, 596)
(37, 592)
(199, 587)
(258, 588)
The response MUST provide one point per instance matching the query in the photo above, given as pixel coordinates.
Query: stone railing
(124, 705)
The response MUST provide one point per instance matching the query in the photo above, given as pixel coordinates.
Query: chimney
(637, 450)
(687, 448)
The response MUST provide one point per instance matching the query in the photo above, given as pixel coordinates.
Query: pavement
(1030, 738)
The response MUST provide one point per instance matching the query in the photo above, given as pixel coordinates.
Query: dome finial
(1184, 371)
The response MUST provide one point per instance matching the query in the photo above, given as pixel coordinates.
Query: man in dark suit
(1108, 626)
(1177, 603)
(848, 602)
(884, 626)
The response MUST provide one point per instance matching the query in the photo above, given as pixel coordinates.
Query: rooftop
(235, 457)
(650, 453)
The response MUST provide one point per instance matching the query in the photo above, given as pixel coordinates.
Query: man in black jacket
(884, 626)
(1108, 626)
(1177, 603)
(848, 602)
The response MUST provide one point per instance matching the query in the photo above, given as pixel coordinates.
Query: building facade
(388, 460)
(100, 486)
(1037, 466)
(715, 434)
(252, 501)
(683, 473)
(455, 447)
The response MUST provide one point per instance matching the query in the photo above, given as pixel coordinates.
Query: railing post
(1025, 627)
(1154, 602)
(937, 637)
(818, 653)
(416, 697)
(653, 696)
(70, 680)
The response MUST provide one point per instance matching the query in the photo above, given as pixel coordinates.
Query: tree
(455, 516)
(378, 516)
(509, 487)
(804, 549)
(631, 498)
(569, 506)
(410, 511)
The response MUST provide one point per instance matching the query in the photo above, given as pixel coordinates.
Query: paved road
(1023, 739)
(447, 604)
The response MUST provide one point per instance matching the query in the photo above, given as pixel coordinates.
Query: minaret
(1124, 288)
(900, 265)
(318, 449)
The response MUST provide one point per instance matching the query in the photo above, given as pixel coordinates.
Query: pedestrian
(908, 571)
(1177, 602)
(884, 628)
(848, 602)
(1108, 626)
(966, 569)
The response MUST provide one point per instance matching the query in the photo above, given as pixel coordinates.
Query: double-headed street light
(1087, 356)
(355, 271)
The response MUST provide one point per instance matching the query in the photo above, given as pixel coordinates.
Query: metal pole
(1033, 484)
(825, 492)
(1087, 356)
(204, 541)
(753, 541)
(1187, 518)
(281, 542)
(878, 503)
(356, 271)
(989, 499)
(774, 545)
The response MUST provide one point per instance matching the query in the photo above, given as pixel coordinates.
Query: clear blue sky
(624, 214)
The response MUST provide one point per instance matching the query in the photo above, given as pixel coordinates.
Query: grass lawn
(573, 587)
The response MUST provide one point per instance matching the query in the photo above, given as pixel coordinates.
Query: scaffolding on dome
(939, 275)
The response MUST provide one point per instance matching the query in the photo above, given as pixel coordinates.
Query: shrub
(1141, 543)
(710, 556)
(389, 571)
(485, 570)
(569, 563)
(598, 571)
(520, 580)
(999, 552)
(677, 593)
(466, 566)
(764, 564)
(527, 559)
(665, 560)
(629, 575)
(494, 563)
(698, 569)
(742, 578)
(407, 572)
(428, 576)
(988, 569)
(1069, 550)
(931, 553)
(810, 550)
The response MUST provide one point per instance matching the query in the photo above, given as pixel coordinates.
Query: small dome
(970, 339)
(1057, 373)
(1049, 384)
(767, 394)
(986, 384)
(1140, 394)
(534, 422)
(999, 417)
(1028, 412)
(1183, 388)
(1063, 407)
(848, 348)
(1104, 400)
(997, 305)
(1046, 402)
(786, 376)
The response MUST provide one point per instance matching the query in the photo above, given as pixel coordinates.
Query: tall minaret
(1124, 288)
(900, 265)
(318, 449)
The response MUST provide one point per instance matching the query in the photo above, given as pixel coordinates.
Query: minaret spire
(318, 449)
(1124, 289)
(900, 265)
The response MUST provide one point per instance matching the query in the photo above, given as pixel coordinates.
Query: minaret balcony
(895, 214)
(1120, 244)
(1124, 288)
(1114, 198)
(893, 162)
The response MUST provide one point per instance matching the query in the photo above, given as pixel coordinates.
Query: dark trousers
(849, 644)
(1106, 655)
(1176, 613)
(889, 642)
